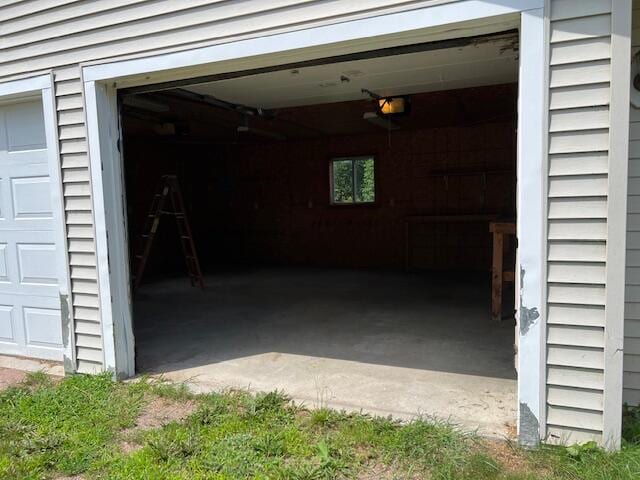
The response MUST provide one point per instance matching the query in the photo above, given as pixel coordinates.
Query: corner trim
(531, 226)
(616, 221)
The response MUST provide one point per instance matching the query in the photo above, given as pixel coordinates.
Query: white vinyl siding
(631, 380)
(79, 217)
(579, 95)
(88, 31)
(60, 34)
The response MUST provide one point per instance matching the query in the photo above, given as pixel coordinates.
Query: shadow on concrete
(426, 321)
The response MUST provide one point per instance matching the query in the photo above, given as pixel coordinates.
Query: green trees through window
(353, 180)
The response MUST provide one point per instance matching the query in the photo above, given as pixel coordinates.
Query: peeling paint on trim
(529, 431)
(69, 364)
(528, 318)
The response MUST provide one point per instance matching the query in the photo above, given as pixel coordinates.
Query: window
(352, 180)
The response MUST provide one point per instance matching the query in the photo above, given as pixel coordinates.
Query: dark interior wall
(146, 160)
(270, 202)
(276, 204)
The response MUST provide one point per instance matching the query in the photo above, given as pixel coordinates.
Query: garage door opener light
(392, 105)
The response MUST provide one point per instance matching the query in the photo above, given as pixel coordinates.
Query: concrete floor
(388, 343)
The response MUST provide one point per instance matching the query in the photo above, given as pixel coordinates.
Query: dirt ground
(160, 411)
(9, 376)
(155, 413)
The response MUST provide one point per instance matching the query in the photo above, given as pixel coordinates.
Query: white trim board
(411, 27)
(409, 23)
(113, 275)
(25, 86)
(617, 223)
(531, 227)
(55, 173)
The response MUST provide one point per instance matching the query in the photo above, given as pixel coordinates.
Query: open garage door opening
(346, 216)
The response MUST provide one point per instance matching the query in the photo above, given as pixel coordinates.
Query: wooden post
(496, 276)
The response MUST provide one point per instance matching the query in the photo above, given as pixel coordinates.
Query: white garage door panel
(25, 191)
(30, 326)
(28, 263)
(25, 126)
(7, 327)
(31, 197)
(42, 327)
(37, 263)
(30, 321)
(4, 275)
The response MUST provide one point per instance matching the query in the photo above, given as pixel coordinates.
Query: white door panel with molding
(30, 321)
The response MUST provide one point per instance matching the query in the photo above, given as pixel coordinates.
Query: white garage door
(30, 323)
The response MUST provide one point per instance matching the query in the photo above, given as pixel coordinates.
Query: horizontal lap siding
(60, 34)
(76, 33)
(76, 188)
(579, 96)
(631, 379)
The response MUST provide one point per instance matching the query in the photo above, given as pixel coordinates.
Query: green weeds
(79, 425)
(63, 427)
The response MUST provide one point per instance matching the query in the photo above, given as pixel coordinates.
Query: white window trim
(364, 34)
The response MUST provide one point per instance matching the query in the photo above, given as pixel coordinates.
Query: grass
(78, 426)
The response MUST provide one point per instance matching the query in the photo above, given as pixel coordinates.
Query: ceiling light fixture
(392, 105)
(389, 106)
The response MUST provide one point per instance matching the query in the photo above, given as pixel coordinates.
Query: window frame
(353, 159)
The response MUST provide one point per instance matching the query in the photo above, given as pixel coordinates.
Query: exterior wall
(48, 34)
(579, 172)
(632, 290)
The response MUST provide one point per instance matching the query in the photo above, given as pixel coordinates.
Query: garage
(345, 252)
(32, 260)
(344, 204)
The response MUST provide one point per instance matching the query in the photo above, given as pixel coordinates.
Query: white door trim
(411, 26)
(531, 226)
(617, 222)
(25, 86)
(111, 236)
(42, 86)
(407, 23)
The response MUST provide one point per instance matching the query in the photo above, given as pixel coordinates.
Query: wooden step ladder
(169, 188)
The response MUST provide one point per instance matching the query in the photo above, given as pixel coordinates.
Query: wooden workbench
(498, 274)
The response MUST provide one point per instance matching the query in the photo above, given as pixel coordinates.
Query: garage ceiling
(489, 61)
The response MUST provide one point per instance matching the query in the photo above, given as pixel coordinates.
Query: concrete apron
(482, 404)
(386, 343)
